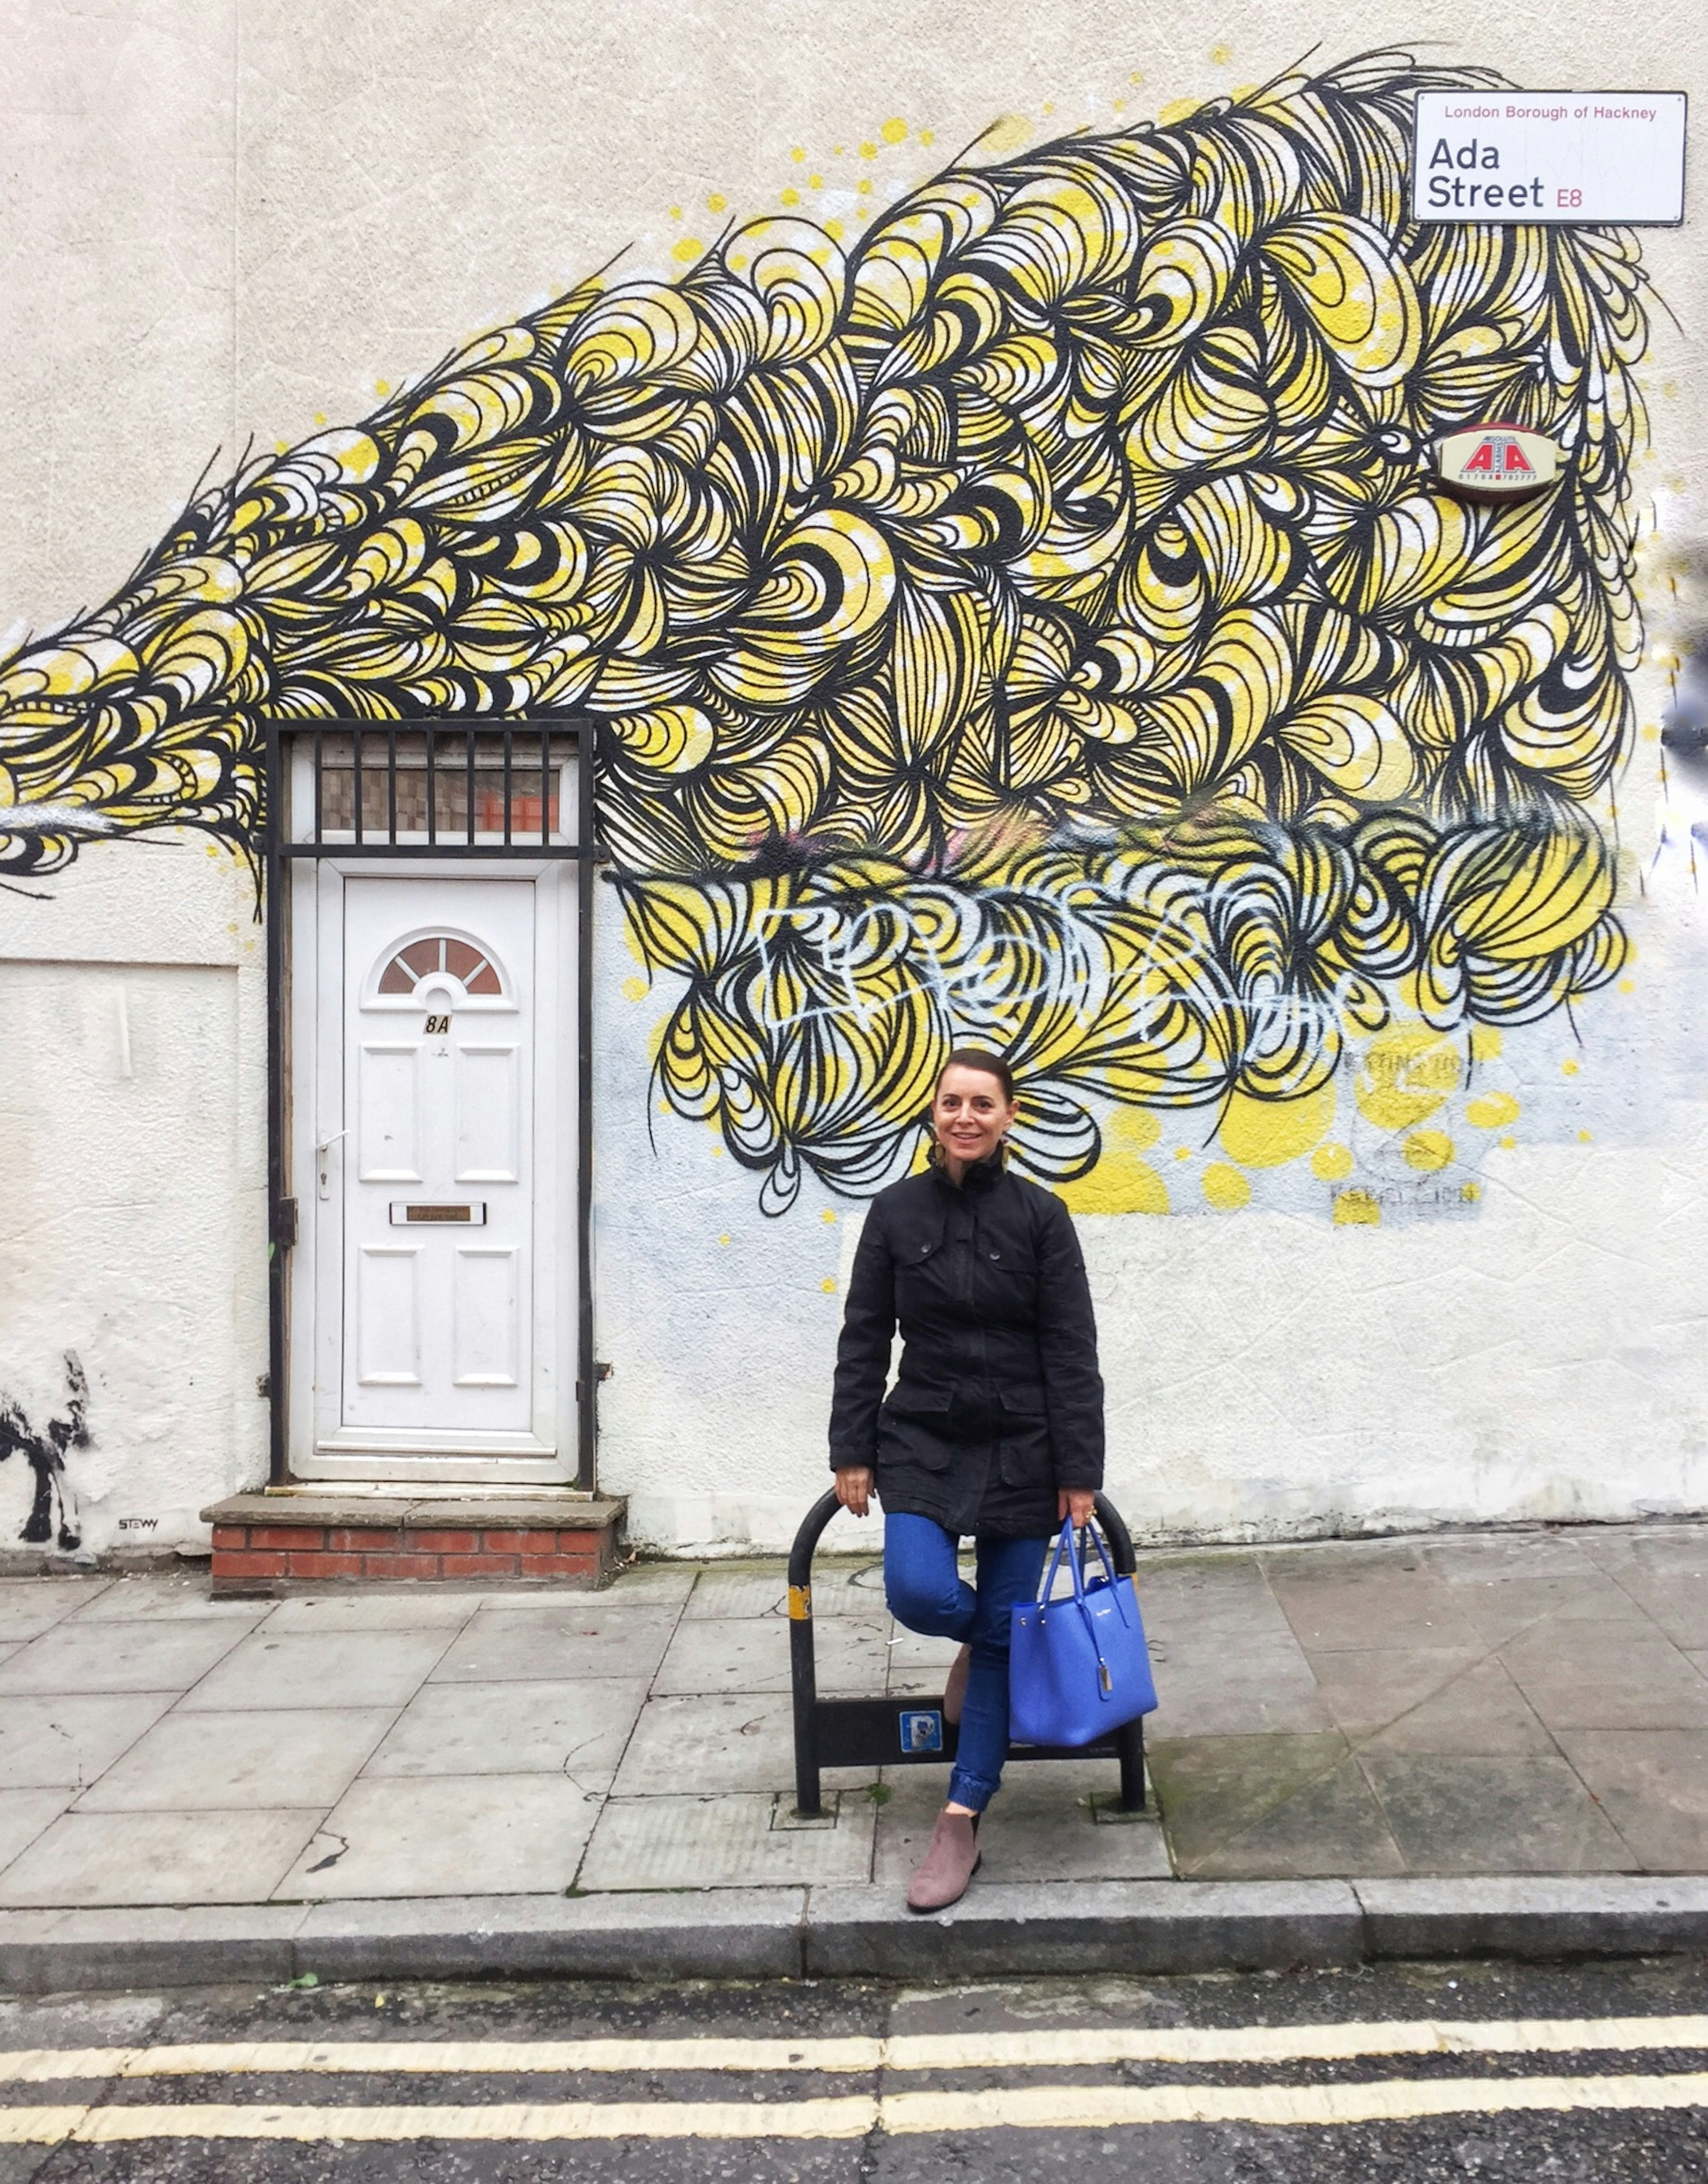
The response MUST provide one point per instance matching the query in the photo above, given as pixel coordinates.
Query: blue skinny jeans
(927, 1593)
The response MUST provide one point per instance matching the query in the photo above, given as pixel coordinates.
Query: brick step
(277, 1543)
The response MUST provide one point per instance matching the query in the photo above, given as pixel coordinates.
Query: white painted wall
(132, 1151)
(223, 222)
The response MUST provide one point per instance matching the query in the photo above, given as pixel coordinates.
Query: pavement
(1363, 1749)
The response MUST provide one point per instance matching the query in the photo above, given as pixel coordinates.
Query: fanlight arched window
(438, 970)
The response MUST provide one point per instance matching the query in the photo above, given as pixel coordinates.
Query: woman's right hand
(854, 1489)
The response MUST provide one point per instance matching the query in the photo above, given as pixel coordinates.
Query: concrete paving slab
(25, 1814)
(1481, 1712)
(294, 1758)
(1676, 1600)
(729, 1933)
(1499, 1608)
(579, 1730)
(1583, 1675)
(50, 1743)
(840, 1587)
(30, 1605)
(319, 1670)
(726, 1841)
(1219, 1690)
(1364, 1692)
(519, 1834)
(160, 1596)
(1083, 1926)
(386, 1607)
(918, 1666)
(1041, 1826)
(1653, 1785)
(1488, 1556)
(1212, 1789)
(850, 1655)
(1390, 1601)
(723, 1741)
(551, 1645)
(1613, 1915)
(113, 1859)
(1450, 1813)
(1331, 1825)
(650, 1584)
(119, 1657)
(1219, 1600)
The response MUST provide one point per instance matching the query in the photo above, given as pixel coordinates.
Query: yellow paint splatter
(798, 153)
(927, 136)
(635, 989)
(319, 417)
(894, 131)
(1569, 1068)
(716, 201)
(1493, 1111)
(1177, 110)
(1007, 133)
(1486, 1043)
(723, 1240)
(863, 187)
(1426, 1151)
(1226, 1188)
(382, 386)
(815, 181)
(1586, 1137)
(1221, 55)
(828, 1215)
(1651, 735)
(829, 1285)
(1404, 1075)
(791, 197)
(717, 1152)
(1269, 1132)
(1470, 1192)
(868, 151)
(834, 229)
(1355, 1209)
(1507, 1144)
(1332, 1163)
(1628, 985)
(283, 448)
(1120, 1183)
(689, 248)
(675, 212)
(1183, 1152)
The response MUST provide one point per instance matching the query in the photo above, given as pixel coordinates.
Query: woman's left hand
(1079, 1502)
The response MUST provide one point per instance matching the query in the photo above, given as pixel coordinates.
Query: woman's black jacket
(999, 1400)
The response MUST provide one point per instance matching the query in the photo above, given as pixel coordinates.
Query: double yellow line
(1067, 2106)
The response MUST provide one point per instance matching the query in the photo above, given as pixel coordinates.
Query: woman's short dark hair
(976, 1057)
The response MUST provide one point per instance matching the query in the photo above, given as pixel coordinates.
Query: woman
(995, 1425)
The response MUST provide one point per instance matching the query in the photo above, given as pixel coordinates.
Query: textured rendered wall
(230, 227)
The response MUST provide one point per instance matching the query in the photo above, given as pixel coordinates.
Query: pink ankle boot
(943, 1874)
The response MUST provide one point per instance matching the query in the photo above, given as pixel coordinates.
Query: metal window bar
(563, 742)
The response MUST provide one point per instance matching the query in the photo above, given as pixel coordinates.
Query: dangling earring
(933, 1152)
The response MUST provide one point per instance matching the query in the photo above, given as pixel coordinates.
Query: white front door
(441, 1291)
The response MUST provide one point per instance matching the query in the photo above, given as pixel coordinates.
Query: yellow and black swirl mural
(1033, 623)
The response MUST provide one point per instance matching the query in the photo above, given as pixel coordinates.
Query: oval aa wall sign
(1497, 462)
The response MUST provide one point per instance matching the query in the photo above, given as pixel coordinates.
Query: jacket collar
(982, 1176)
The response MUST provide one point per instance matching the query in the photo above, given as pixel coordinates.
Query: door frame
(299, 755)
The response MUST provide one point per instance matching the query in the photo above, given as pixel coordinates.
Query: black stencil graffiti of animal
(45, 1453)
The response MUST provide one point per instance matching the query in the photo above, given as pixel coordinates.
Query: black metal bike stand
(911, 1732)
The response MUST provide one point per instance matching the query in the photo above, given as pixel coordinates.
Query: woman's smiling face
(969, 1114)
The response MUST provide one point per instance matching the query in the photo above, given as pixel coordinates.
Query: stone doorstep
(272, 1544)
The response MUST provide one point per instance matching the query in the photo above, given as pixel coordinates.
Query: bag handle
(1105, 1682)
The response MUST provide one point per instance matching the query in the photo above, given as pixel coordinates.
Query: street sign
(1558, 158)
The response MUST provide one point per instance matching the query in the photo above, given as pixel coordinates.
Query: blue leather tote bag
(1078, 1667)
